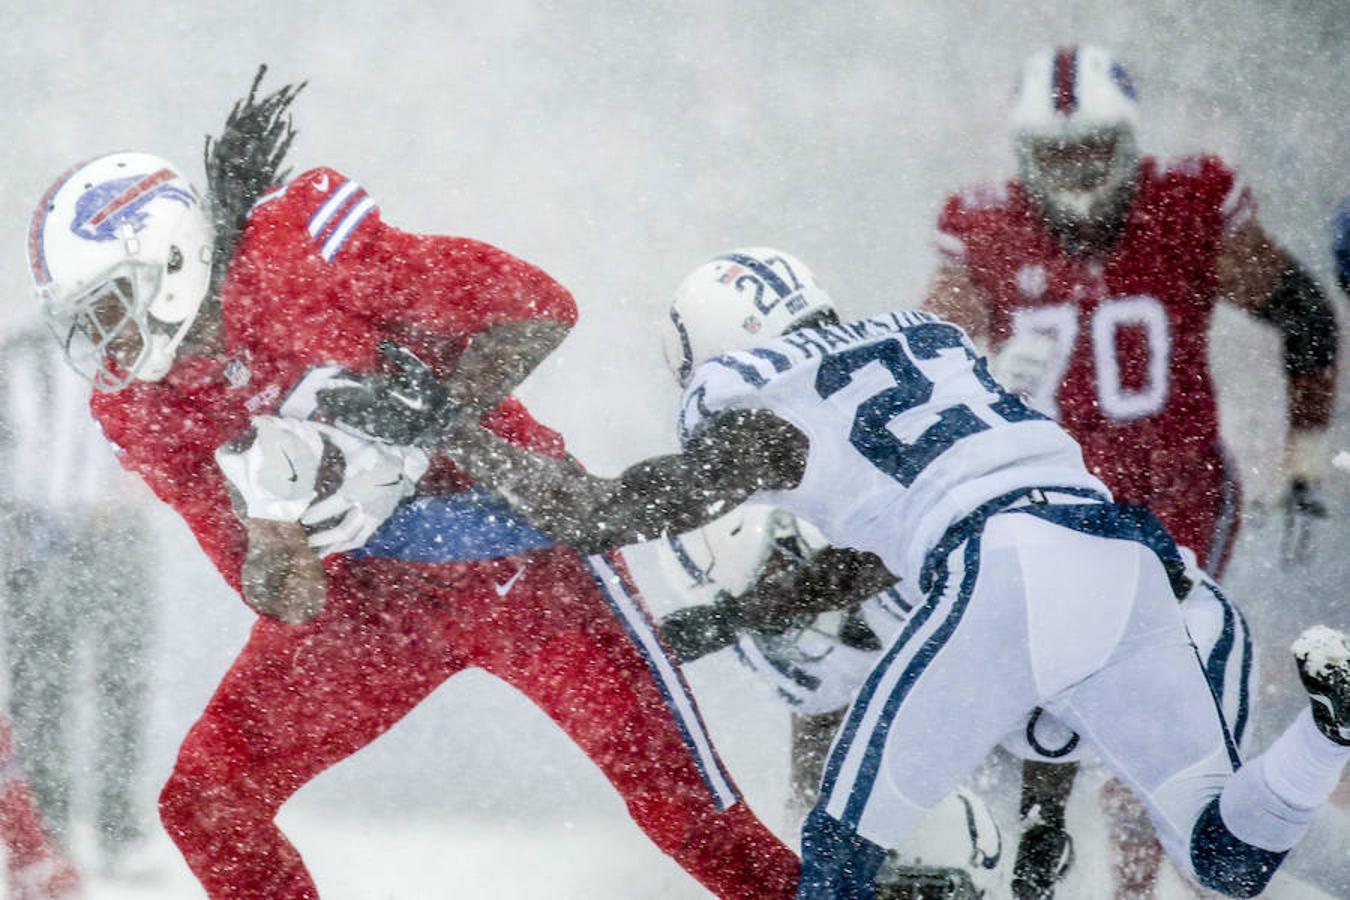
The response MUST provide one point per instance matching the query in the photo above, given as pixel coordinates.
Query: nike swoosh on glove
(376, 479)
(275, 473)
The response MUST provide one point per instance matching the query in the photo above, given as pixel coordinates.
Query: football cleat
(914, 882)
(1323, 658)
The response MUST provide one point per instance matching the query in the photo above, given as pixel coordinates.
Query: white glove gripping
(1022, 364)
(275, 474)
(375, 480)
(1306, 453)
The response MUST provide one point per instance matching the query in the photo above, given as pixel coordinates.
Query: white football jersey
(908, 431)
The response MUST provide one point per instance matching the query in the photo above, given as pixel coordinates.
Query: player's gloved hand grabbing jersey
(410, 407)
(289, 472)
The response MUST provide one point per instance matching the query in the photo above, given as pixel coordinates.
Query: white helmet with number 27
(1073, 120)
(120, 250)
(737, 300)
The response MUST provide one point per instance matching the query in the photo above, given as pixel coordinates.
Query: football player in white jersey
(890, 436)
(815, 664)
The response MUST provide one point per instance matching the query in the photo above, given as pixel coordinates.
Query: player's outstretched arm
(1261, 278)
(738, 453)
(499, 359)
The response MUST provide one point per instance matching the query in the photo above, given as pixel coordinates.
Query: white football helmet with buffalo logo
(1073, 123)
(120, 250)
(738, 300)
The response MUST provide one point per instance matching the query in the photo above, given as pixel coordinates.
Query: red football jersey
(318, 278)
(1131, 376)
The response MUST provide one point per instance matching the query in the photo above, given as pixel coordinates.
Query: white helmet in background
(1073, 123)
(120, 250)
(738, 300)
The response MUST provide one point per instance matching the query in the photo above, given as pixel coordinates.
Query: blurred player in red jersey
(195, 333)
(1093, 276)
(37, 867)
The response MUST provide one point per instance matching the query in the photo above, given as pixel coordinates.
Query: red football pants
(299, 699)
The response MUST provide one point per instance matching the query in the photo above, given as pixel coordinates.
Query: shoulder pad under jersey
(1209, 182)
(729, 381)
(962, 212)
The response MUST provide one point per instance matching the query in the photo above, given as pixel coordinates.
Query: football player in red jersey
(195, 332)
(1093, 277)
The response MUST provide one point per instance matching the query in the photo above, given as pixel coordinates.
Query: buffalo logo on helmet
(102, 210)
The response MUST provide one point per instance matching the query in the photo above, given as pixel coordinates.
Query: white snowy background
(618, 144)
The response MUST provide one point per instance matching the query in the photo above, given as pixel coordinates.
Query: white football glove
(1022, 364)
(275, 475)
(1305, 464)
(376, 479)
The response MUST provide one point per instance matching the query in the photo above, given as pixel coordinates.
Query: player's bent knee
(178, 807)
(1226, 864)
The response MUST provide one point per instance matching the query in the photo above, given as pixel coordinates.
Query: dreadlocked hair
(242, 165)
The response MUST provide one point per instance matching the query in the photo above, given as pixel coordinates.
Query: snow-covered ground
(617, 145)
(593, 857)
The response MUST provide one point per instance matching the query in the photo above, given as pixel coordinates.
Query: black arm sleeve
(696, 631)
(835, 578)
(1302, 312)
(739, 453)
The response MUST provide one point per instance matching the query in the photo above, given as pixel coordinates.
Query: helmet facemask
(1081, 182)
(1073, 123)
(109, 331)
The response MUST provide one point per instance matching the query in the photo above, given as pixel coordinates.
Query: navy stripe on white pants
(1028, 613)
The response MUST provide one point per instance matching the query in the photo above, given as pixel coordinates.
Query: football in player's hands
(275, 469)
(375, 479)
